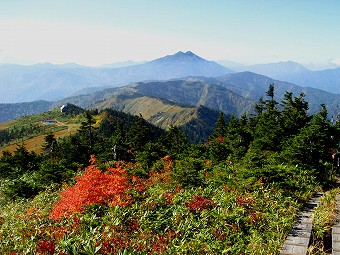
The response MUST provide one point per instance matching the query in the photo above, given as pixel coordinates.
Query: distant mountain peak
(187, 54)
(182, 64)
(181, 53)
(182, 56)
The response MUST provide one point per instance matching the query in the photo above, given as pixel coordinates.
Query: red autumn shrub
(45, 247)
(93, 187)
(116, 243)
(199, 203)
(244, 201)
(220, 139)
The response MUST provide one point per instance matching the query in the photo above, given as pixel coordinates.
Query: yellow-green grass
(35, 144)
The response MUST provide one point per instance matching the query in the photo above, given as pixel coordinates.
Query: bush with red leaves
(45, 247)
(93, 187)
(199, 203)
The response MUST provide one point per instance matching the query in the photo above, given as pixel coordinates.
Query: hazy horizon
(96, 33)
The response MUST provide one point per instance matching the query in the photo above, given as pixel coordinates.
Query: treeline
(27, 127)
(280, 143)
(17, 133)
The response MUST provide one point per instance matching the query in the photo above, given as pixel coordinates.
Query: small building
(62, 108)
(336, 159)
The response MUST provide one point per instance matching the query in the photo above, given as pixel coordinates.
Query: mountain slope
(198, 93)
(233, 93)
(14, 111)
(158, 112)
(196, 122)
(327, 80)
(31, 130)
(42, 82)
(191, 93)
(253, 86)
(278, 70)
(185, 64)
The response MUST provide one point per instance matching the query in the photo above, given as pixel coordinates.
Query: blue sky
(95, 32)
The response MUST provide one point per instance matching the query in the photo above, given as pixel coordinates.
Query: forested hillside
(121, 185)
(13, 111)
(196, 122)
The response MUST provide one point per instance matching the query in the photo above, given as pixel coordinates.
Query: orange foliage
(168, 163)
(163, 176)
(220, 139)
(93, 187)
(199, 203)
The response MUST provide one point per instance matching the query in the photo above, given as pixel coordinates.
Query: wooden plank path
(336, 229)
(298, 239)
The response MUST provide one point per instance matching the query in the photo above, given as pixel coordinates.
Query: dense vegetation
(123, 186)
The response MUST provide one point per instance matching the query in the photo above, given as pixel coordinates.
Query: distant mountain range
(327, 80)
(52, 82)
(232, 93)
(16, 110)
(161, 90)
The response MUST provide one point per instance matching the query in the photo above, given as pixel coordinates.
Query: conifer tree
(220, 127)
(294, 113)
(50, 144)
(237, 138)
(175, 142)
(267, 130)
(311, 145)
(139, 134)
(217, 149)
(87, 129)
(271, 103)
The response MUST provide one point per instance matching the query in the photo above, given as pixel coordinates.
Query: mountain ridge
(289, 71)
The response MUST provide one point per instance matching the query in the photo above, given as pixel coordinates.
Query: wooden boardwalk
(298, 239)
(336, 229)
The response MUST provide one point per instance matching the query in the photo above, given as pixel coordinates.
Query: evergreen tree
(271, 103)
(19, 162)
(175, 142)
(87, 130)
(216, 147)
(73, 151)
(259, 107)
(188, 172)
(139, 134)
(294, 113)
(237, 138)
(311, 145)
(267, 130)
(220, 126)
(50, 145)
(336, 135)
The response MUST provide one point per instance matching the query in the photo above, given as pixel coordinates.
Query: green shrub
(50, 172)
(24, 187)
(189, 172)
